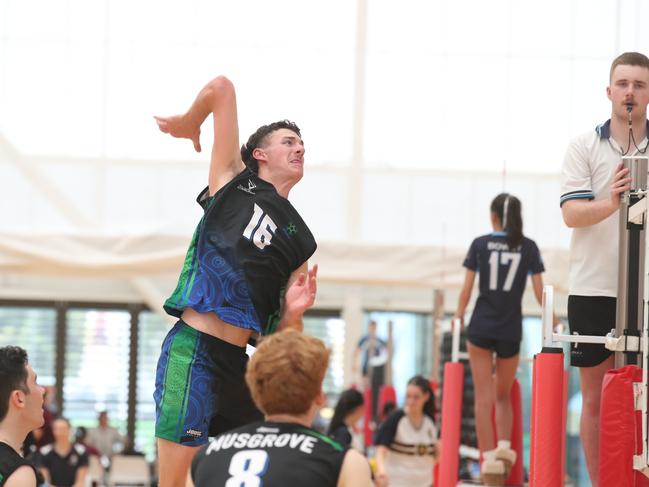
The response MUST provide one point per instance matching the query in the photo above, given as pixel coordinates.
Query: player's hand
(456, 319)
(620, 184)
(382, 479)
(301, 295)
(182, 127)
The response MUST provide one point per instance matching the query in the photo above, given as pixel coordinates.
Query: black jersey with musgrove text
(243, 251)
(269, 454)
(502, 277)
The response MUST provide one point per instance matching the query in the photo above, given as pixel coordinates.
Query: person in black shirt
(348, 410)
(21, 411)
(63, 463)
(245, 275)
(503, 259)
(285, 378)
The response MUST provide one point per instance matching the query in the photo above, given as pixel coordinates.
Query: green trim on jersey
(334, 444)
(173, 406)
(187, 274)
(275, 318)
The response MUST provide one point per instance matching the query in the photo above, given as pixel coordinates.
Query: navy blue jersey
(243, 251)
(502, 277)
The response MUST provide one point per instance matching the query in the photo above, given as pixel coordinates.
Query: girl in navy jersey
(503, 259)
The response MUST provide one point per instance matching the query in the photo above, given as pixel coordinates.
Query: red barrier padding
(516, 439)
(564, 421)
(547, 430)
(533, 427)
(620, 430)
(367, 422)
(386, 394)
(451, 423)
(516, 475)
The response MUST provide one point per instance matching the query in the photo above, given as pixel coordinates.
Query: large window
(331, 330)
(412, 345)
(152, 330)
(33, 329)
(99, 360)
(96, 366)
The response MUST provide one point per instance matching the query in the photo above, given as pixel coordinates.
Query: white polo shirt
(587, 172)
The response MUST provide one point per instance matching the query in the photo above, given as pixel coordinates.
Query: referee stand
(624, 452)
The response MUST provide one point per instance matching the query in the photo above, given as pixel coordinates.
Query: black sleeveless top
(10, 461)
(269, 454)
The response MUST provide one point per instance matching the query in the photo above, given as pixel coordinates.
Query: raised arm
(300, 295)
(218, 98)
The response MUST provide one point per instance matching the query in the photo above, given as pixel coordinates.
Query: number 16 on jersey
(262, 226)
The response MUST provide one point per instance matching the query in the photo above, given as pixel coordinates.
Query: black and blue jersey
(243, 251)
(502, 277)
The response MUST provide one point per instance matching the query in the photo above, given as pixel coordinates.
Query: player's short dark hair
(629, 59)
(259, 138)
(13, 375)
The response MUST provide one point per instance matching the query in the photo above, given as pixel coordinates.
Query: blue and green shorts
(200, 387)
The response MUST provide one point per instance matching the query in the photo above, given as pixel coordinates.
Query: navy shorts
(503, 348)
(590, 315)
(200, 387)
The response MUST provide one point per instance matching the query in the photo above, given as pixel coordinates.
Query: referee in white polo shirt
(592, 181)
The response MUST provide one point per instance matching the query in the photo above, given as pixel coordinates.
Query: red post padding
(516, 475)
(547, 415)
(620, 429)
(451, 423)
(367, 420)
(386, 394)
(533, 413)
(564, 422)
(516, 439)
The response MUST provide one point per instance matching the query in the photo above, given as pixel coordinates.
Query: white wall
(414, 116)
